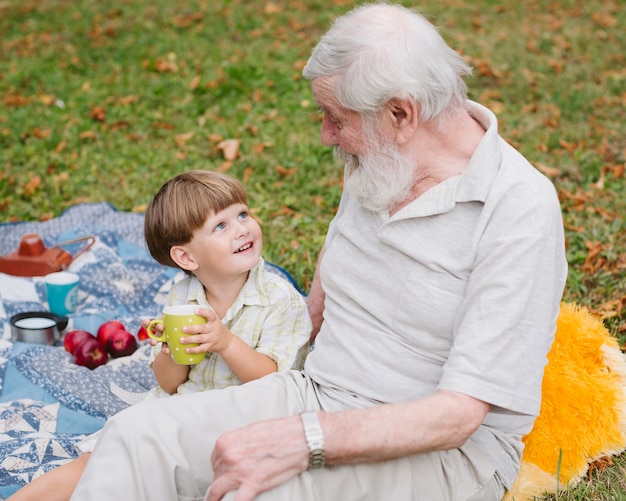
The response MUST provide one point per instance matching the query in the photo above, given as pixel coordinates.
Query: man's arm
(442, 421)
(263, 455)
(315, 299)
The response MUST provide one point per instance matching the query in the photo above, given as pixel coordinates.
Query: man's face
(340, 127)
(379, 176)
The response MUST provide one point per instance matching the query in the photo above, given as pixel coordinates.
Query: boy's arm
(169, 375)
(245, 362)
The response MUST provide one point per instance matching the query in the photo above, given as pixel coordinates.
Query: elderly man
(435, 298)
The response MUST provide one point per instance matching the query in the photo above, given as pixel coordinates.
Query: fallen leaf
(128, 99)
(283, 211)
(162, 125)
(31, 186)
(592, 261)
(187, 20)
(247, 173)
(163, 65)
(61, 146)
(88, 134)
(181, 139)
(16, 100)
(139, 208)
(40, 133)
(252, 129)
(299, 64)
(121, 124)
(556, 66)
(570, 147)
(272, 8)
(284, 172)
(47, 99)
(604, 20)
(548, 171)
(229, 148)
(195, 81)
(260, 147)
(98, 114)
(599, 464)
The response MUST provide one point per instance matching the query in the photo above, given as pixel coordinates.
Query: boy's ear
(181, 256)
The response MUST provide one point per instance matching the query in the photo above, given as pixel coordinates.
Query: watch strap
(314, 439)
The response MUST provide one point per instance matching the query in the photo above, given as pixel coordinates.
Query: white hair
(380, 51)
(374, 188)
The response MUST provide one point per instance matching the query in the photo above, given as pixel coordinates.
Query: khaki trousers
(160, 450)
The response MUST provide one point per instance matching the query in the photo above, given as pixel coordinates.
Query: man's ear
(404, 115)
(181, 256)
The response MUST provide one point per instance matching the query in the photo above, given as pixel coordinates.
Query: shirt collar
(253, 292)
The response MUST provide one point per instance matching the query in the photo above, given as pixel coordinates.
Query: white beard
(380, 178)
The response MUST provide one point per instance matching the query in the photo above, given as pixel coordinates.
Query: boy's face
(229, 243)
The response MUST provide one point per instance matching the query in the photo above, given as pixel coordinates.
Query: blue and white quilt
(47, 402)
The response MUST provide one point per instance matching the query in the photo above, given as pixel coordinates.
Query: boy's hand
(213, 336)
(157, 327)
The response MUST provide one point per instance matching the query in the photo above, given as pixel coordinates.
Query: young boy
(199, 222)
(257, 323)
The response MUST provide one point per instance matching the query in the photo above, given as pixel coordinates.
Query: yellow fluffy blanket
(583, 410)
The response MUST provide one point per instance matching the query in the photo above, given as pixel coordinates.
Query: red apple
(108, 328)
(142, 333)
(75, 338)
(121, 343)
(91, 354)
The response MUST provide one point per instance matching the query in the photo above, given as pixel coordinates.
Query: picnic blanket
(47, 402)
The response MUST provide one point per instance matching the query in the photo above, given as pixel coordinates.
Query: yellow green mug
(173, 320)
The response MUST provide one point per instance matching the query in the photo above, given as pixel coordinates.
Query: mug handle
(160, 338)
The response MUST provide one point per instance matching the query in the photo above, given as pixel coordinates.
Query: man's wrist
(314, 439)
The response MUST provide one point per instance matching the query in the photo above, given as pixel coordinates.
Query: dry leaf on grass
(229, 148)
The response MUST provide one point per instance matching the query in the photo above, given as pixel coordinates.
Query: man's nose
(328, 133)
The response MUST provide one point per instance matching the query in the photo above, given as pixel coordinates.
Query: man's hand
(257, 458)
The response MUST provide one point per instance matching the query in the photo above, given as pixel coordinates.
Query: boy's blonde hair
(182, 206)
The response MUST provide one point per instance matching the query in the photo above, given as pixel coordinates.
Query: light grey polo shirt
(459, 290)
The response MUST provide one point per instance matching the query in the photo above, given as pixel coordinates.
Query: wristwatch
(314, 439)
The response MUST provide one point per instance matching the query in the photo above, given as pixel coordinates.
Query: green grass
(104, 101)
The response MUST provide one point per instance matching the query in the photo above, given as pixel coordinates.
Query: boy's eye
(243, 214)
(220, 226)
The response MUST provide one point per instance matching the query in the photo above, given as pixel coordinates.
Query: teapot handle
(90, 241)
